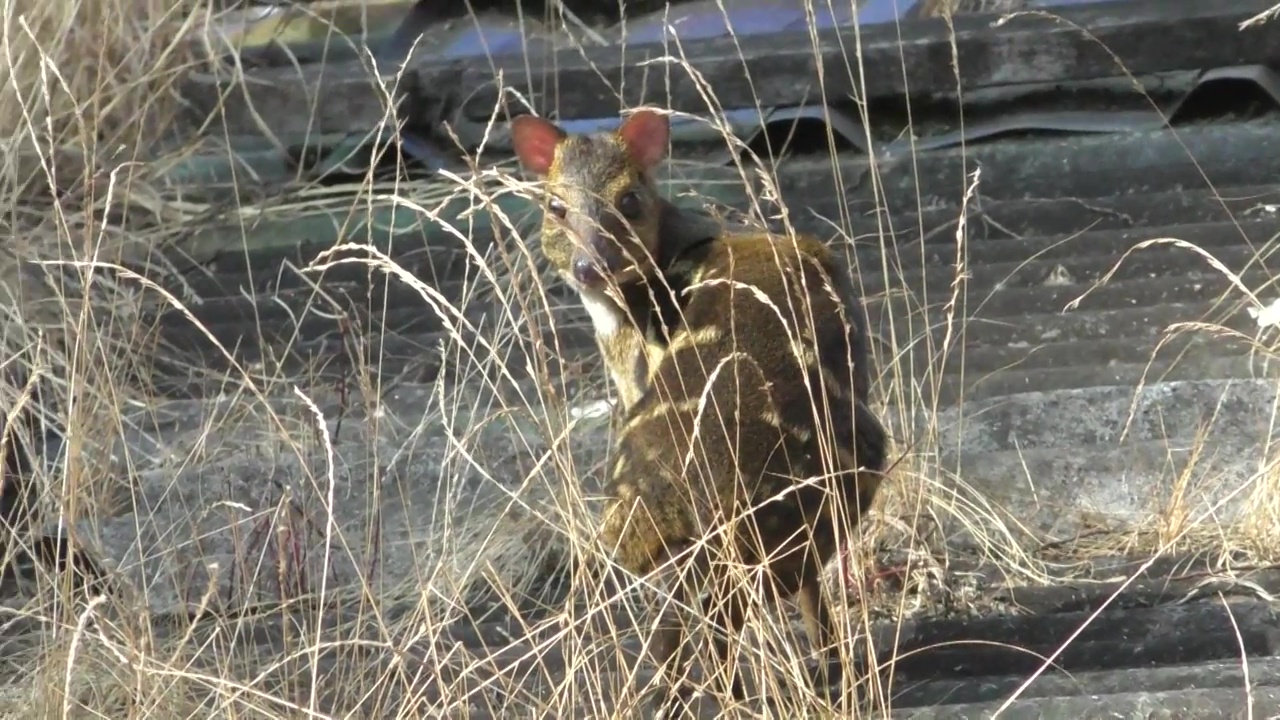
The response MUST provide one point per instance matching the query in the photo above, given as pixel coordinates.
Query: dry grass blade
(1176, 242)
(1261, 18)
(505, 500)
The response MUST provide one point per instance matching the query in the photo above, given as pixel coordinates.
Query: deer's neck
(631, 331)
(652, 306)
(656, 302)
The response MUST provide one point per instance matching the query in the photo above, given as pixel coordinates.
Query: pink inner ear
(646, 133)
(534, 141)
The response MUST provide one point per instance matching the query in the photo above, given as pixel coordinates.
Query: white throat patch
(606, 317)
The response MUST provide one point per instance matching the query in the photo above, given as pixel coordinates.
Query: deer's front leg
(672, 650)
(671, 655)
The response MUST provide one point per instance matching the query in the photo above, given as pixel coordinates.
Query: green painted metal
(388, 226)
(336, 31)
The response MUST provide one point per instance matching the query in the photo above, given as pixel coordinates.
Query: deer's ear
(534, 140)
(645, 133)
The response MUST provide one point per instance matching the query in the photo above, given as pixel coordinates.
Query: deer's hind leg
(820, 626)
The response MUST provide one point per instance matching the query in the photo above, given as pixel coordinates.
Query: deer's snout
(597, 259)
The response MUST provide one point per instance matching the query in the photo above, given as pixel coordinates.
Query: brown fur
(743, 380)
(766, 420)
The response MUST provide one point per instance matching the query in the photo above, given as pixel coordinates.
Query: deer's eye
(629, 205)
(557, 207)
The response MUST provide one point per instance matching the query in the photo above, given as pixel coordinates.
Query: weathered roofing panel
(1139, 37)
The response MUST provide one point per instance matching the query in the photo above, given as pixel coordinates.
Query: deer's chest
(631, 338)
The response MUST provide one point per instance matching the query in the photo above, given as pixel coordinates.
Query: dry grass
(85, 90)
(322, 620)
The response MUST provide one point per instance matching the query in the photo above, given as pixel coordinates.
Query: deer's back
(734, 413)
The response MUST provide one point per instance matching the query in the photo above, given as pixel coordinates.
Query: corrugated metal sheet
(1046, 357)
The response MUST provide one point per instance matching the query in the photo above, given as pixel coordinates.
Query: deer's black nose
(587, 272)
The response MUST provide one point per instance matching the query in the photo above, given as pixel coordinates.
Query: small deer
(608, 231)
(741, 365)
